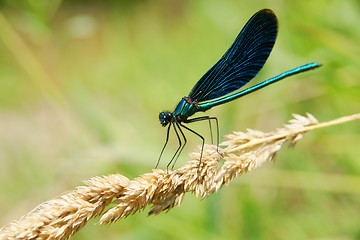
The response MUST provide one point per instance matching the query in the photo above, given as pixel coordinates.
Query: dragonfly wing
(242, 61)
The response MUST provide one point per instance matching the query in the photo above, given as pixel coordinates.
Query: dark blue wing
(242, 61)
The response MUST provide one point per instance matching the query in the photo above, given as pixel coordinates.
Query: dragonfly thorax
(165, 118)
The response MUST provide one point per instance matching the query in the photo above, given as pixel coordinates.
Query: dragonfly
(221, 83)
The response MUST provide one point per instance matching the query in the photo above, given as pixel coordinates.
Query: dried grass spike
(61, 217)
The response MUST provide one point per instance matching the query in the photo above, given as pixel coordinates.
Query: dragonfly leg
(202, 138)
(211, 134)
(185, 141)
(177, 150)
(166, 141)
(203, 118)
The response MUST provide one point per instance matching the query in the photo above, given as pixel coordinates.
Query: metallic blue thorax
(184, 110)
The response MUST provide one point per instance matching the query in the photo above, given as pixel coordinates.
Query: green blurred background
(82, 83)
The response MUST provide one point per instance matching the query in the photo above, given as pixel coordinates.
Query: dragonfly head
(165, 118)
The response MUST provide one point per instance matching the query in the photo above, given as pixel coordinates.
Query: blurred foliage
(82, 83)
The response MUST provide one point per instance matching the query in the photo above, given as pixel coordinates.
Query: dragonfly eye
(165, 118)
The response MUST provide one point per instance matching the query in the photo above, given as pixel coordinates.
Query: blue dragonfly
(220, 84)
